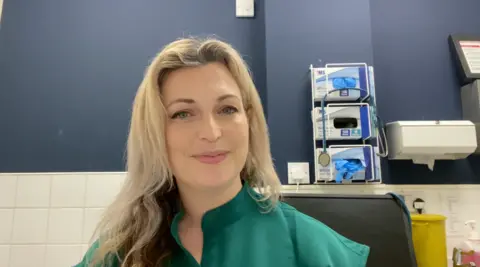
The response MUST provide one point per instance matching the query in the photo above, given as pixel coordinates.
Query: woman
(197, 147)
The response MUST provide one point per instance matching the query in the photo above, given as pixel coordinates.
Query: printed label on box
(356, 132)
(344, 132)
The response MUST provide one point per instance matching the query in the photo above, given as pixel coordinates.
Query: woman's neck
(197, 202)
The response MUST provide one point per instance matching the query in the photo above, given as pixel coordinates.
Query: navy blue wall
(69, 71)
(413, 66)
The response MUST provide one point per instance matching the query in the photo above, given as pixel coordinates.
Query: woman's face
(207, 126)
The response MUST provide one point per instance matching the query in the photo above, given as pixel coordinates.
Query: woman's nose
(210, 129)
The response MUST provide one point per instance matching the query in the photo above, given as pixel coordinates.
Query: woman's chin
(209, 182)
(219, 182)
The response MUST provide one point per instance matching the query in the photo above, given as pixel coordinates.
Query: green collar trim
(216, 219)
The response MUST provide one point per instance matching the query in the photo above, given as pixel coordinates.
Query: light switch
(245, 8)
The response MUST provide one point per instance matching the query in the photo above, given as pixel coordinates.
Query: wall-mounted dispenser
(427, 141)
(346, 121)
(348, 163)
(345, 124)
(341, 76)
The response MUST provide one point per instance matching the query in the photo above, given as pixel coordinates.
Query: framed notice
(465, 51)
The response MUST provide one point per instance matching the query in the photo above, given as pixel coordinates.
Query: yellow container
(429, 240)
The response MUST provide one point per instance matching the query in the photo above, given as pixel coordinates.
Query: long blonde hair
(136, 226)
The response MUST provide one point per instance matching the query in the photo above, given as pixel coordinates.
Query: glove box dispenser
(348, 163)
(343, 122)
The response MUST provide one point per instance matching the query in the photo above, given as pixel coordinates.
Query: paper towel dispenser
(426, 141)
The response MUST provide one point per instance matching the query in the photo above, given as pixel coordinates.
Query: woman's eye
(181, 115)
(229, 110)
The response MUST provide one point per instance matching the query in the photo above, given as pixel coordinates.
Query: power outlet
(298, 173)
(410, 196)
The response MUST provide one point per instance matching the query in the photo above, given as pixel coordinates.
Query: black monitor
(465, 50)
(375, 220)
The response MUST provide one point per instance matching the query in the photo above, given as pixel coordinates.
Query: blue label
(344, 132)
(343, 92)
(356, 132)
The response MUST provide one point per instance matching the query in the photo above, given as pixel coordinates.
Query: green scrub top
(239, 234)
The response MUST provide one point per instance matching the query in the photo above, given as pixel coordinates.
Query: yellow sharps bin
(429, 240)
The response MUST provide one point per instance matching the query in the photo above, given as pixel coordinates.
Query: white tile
(30, 226)
(68, 191)
(63, 255)
(4, 255)
(27, 256)
(102, 189)
(8, 189)
(33, 191)
(92, 217)
(6, 222)
(65, 226)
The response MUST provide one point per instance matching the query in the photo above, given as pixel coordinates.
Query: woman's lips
(211, 157)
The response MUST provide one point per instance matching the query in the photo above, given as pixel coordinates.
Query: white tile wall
(4, 255)
(68, 191)
(33, 191)
(8, 190)
(92, 216)
(30, 226)
(96, 195)
(47, 220)
(70, 254)
(51, 217)
(6, 220)
(65, 226)
(27, 255)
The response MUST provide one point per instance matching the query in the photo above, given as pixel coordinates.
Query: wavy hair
(136, 226)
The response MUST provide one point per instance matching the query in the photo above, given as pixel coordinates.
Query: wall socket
(298, 173)
(409, 197)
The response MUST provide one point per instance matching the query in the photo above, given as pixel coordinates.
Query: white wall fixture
(427, 141)
(1, 8)
(298, 173)
(244, 8)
